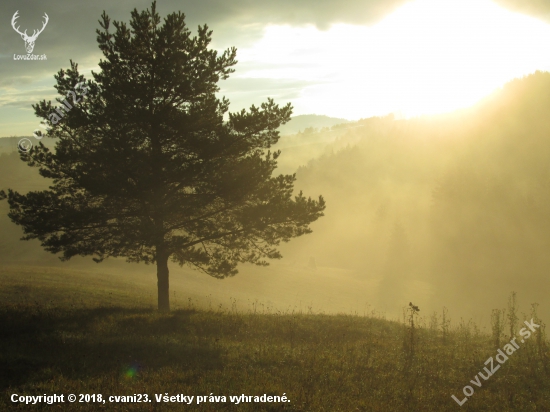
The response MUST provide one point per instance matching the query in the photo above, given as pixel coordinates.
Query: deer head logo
(29, 40)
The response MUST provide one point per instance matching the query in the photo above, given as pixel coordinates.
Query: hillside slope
(61, 335)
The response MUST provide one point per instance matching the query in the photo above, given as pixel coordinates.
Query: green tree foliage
(146, 167)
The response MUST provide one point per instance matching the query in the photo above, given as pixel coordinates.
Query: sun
(450, 53)
(429, 56)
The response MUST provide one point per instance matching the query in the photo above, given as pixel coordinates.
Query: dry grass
(63, 337)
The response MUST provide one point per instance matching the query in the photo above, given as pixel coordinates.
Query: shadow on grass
(38, 343)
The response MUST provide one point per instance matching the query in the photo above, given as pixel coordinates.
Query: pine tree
(150, 165)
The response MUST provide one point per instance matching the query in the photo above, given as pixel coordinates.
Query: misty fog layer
(450, 210)
(455, 207)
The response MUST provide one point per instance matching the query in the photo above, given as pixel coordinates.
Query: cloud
(321, 13)
(71, 34)
(24, 98)
(430, 56)
(535, 8)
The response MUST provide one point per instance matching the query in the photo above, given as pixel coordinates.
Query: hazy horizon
(390, 234)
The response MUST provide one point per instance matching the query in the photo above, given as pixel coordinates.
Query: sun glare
(429, 56)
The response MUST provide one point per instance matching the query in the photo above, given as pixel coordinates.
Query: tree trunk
(162, 283)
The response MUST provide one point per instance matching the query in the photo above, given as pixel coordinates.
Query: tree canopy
(150, 165)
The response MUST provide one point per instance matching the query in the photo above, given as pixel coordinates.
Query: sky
(350, 59)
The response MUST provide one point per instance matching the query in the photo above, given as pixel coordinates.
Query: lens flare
(131, 371)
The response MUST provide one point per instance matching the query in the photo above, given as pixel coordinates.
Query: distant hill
(297, 124)
(305, 121)
(9, 144)
(455, 204)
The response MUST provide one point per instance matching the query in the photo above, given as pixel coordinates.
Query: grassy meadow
(68, 332)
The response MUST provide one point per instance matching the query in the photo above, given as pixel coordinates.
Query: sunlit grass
(91, 342)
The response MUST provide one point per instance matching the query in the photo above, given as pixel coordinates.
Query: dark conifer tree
(146, 167)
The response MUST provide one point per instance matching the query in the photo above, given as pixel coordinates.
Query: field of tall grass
(61, 335)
